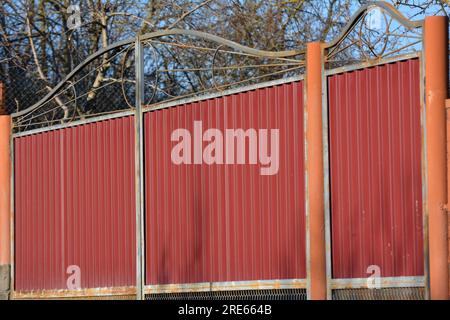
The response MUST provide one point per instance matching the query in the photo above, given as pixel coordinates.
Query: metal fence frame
(141, 289)
(387, 282)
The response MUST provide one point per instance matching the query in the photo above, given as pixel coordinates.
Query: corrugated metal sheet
(75, 205)
(375, 159)
(209, 223)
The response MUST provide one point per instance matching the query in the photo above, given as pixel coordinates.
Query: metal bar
(139, 170)
(372, 63)
(436, 87)
(307, 215)
(81, 293)
(5, 169)
(12, 218)
(385, 282)
(424, 166)
(326, 181)
(447, 112)
(227, 286)
(314, 170)
(75, 123)
(5, 196)
(261, 85)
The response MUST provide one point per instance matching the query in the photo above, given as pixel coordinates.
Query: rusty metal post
(447, 109)
(436, 86)
(317, 284)
(5, 189)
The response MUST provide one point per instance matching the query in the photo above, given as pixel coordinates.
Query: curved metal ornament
(372, 44)
(369, 42)
(389, 8)
(157, 34)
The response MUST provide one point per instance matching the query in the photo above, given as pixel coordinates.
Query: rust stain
(82, 293)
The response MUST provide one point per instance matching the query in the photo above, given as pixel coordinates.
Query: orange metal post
(314, 169)
(436, 80)
(447, 108)
(5, 131)
(5, 167)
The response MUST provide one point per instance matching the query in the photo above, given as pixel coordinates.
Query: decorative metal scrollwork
(185, 63)
(376, 31)
(177, 64)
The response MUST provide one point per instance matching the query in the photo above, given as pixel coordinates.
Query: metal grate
(379, 294)
(274, 294)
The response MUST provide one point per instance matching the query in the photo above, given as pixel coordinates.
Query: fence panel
(225, 223)
(376, 177)
(220, 223)
(75, 206)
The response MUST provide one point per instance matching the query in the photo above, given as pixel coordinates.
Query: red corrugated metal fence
(75, 197)
(209, 223)
(376, 183)
(74, 205)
